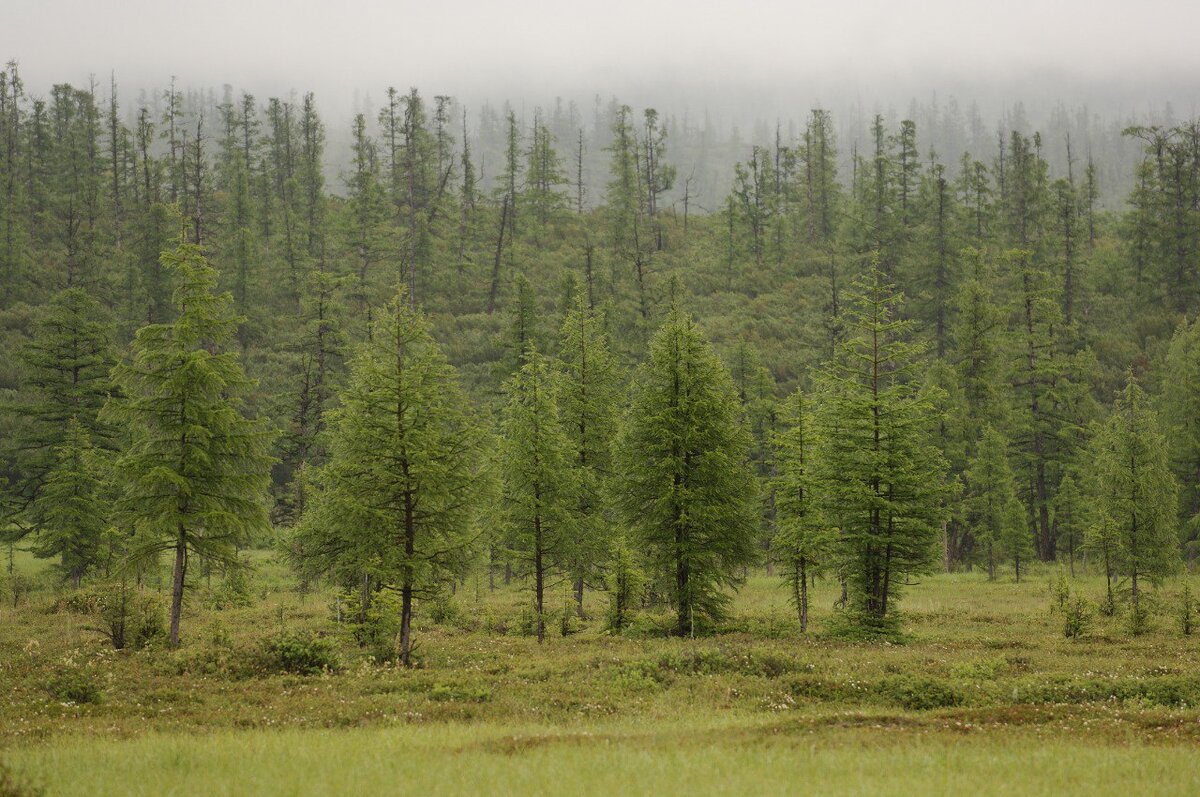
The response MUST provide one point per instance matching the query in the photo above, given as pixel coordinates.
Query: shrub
(1060, 592)
(300, 654)
(129, 618)
(919, 694)
(235, 590)
(79, 601)
(73, 685)
(1077, 617)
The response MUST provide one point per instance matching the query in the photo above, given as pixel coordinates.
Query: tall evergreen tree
(879, 477)
(540, 481)
(994, 511)
(805, 543)
(398, 499)
(686, 488)
(70, 514)
(1136, 494)
(195, 471)
(588, 408)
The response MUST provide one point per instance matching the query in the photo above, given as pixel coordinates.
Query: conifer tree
(686, 488)
(540, 482)
(1181, 422)
(398, 499)
(588, 407)
(66, 367)
(195, 471)
(1136, 493)
(994, 511)
(1069, 519)
(70, 514)
(879, 477)
(805, 543)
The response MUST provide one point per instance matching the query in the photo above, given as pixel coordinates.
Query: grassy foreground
(734, 758)
(984, 695)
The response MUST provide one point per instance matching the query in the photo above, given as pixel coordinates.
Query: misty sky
(475, 48)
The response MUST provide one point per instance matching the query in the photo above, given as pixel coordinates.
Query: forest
(504, 423)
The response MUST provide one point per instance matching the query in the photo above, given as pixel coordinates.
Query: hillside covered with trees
(864, 374)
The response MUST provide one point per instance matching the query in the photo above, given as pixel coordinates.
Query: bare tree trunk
(177, 585)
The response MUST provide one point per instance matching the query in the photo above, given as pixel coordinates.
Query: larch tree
(1070, 519)
(71, 515)
(878, 474)
(397, 502)
(66, 365)
(804, 542)
(1136, 494)
(1181, 422)
(686, 487)
(994, 512)
(195, 471)
(588, 408)
(540, 482)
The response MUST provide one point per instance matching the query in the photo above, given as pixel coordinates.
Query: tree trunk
(177, 586)
(539, 577)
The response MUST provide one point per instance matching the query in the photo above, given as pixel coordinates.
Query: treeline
(860, 375)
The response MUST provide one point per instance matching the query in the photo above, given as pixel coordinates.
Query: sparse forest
(477, 411)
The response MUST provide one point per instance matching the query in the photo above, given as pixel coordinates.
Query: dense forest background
(1046, 267)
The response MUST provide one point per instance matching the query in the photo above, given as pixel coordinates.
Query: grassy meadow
(985, 693)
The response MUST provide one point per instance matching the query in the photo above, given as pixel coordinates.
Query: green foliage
(74, 685)
(396, 504)
(300, 654)
(540, 492)
(625, 581)
(131, 619)
(587, 400)
(916, 693)
(195, 470)
(879, 478)
(1077, 617)
(685, 487)
(1135, 495)
(70, 512)
(805, 543)
(994, 512)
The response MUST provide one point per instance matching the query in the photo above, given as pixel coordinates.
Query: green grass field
(984, 694)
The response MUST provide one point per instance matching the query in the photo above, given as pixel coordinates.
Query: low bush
(73, 685)
(300, 654)
(917, 693)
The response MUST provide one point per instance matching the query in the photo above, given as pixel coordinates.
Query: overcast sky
(510, 48)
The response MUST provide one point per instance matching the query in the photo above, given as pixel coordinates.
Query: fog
(744, 60)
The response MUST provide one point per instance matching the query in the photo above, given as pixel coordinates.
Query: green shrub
(917, 693)
(129, 619)
(1077, 617)
(73, 685)
(78, 601)
(235, 590)
(300, 654)
(1060, 592)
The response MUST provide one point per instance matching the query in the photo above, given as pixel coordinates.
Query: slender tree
(686, 488)
(397, 502)
(195, 471)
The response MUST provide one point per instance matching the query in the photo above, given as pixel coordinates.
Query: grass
(733, 758)
(984, 692)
